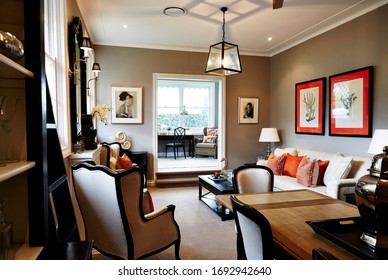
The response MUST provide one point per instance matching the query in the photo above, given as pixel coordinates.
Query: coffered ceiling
(249, 23)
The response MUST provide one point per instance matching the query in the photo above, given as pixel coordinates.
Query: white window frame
(55, 19)
(181, 85)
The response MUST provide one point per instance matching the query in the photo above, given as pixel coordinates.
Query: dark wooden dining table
(288, 211)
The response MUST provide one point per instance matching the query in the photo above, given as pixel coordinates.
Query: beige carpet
(204, 235)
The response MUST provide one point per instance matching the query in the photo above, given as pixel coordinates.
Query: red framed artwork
(310, 107)
(350, 102)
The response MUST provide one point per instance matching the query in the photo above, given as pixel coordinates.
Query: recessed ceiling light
(174, 11)
(125, 26)
(269, 38)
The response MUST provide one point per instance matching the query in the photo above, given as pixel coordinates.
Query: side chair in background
(179, 141)
(253, 179)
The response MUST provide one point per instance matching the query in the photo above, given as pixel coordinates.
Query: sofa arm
(339, 188)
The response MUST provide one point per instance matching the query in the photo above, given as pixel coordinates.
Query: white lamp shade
(379, 141)
(269, 135)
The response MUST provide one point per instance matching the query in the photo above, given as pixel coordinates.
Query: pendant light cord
(223, 9)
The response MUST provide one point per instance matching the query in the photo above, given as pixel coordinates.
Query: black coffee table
(215, 187)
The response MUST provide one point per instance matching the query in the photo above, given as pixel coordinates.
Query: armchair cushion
(209, 139)
(124, 162)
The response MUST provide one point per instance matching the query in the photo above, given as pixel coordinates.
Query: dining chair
(179, 141)
(254, 233)
(112, 212)
(253, 179)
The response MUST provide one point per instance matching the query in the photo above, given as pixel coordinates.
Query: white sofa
(339, 179)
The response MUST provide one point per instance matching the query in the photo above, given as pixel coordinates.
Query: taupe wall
(123, 66)
(359, 43)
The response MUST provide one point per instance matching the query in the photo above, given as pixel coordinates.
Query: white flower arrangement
(100, 110)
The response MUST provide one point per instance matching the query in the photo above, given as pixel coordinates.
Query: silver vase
(371, 195)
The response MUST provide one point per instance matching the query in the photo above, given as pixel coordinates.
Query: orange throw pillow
(124, 162)
(276, 163)
(322, 168)
(291, 165)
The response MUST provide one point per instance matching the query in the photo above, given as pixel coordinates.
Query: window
(190, 104)
(55, 59)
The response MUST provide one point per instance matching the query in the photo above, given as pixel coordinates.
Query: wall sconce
(96, 69)
(86, 46)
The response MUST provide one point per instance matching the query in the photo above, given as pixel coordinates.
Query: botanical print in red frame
(310, 107)
(350, 102)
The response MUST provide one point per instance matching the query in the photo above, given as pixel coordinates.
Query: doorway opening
(193, 102)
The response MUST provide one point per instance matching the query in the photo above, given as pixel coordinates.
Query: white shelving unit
(12, 70)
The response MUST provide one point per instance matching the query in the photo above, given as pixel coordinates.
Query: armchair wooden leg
(177, 248)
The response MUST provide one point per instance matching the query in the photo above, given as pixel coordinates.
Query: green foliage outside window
(172, 120)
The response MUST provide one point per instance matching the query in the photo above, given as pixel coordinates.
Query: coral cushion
(124, 162)
(212, 132)
(322, 168)
(307, 173)
(276, 163)
(291, 165)
(209, 139)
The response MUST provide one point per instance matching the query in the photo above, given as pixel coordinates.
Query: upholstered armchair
(110, 156)
(111, 207)
(207, 146)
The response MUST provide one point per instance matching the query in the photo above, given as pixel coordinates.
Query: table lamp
(269, 135)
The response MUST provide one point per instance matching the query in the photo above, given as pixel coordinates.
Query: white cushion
(338, 168)
(313, 154)
(112, 163)
(279, 152)
(261, 162)
(287, 183)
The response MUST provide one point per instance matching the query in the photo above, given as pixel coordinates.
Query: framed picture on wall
(350, 102)
(310, 107)
(127, 105)
(248, 110)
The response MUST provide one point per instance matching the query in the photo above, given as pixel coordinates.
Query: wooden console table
(288, 211)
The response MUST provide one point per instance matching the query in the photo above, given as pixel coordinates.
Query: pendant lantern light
(224, 58)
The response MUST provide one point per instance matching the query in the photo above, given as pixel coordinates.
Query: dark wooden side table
(79, 250)
(215, 187)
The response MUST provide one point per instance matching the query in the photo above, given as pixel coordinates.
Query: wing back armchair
(111, 207)
(207, 146)
(109, 156)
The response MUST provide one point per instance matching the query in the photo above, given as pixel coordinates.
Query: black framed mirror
(77, 75)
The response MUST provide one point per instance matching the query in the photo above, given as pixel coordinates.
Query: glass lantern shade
(223, 59)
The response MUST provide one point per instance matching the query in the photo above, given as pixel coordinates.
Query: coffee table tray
(219, 179)
(346, 233)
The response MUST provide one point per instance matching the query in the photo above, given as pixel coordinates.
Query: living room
(352, 45)
(355, 44)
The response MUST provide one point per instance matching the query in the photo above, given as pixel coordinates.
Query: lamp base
(268, 150)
